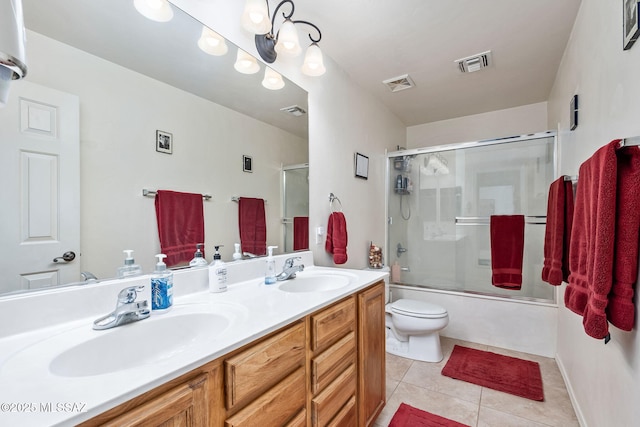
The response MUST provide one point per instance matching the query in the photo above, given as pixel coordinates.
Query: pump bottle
(130, 268)
(217, 273)
(237, 255)
(270, 274)
(161, 286)
(198, 258)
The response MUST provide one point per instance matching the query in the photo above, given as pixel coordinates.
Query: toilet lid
(417, 308)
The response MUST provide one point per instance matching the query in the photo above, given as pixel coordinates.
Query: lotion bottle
(270, 274)
(237, 255)
(198, 258)
(217, 273)
(161, 286)
(130, 268)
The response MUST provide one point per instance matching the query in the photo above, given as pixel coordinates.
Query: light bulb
(272, 80)
(288, 43)
(245, 63)
(212, 42)
(255, 17)
(156, 10)
(313, 63)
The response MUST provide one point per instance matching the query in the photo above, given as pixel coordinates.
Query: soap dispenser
(161, 286)
(198, 258)
(130, 268)
(237, 255)
(270, 275)
(217, 273)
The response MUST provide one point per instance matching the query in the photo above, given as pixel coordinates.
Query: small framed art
(247, 164)
(573, 112)
(164, 142)
(630, 23)
(362, 166)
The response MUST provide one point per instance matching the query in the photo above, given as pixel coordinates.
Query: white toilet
(413, 328)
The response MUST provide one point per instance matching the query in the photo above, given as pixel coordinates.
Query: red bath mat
(503, 373)
(408, 416)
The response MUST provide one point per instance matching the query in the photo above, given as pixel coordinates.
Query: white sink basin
(147, 341)
(316, 282)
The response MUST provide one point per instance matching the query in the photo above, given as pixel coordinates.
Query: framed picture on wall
(164, 142)
(630, 23)
(362, 166)
(247, 164)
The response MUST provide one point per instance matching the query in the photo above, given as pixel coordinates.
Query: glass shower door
(295, 186)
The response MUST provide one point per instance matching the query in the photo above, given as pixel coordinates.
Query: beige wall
(604, 379)
(120, 111)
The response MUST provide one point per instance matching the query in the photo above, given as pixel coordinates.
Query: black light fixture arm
(284, 15)
(311, 25)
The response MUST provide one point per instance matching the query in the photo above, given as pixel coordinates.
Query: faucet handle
(129, 295)
(288, 263)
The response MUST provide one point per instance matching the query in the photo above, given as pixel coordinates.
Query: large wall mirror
(130, 78)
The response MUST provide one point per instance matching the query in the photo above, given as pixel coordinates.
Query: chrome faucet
(289, 270)
(127, 310)
(88, 276)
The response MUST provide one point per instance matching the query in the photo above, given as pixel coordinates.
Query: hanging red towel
(558, 232)
(591, 256)
(253, 225)
(180, 218)
(336, 243)
(507, 249)
(300, 233)
(621, 309)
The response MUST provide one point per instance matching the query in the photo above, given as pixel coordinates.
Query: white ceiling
(374, 40)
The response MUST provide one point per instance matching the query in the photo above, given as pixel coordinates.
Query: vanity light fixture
(156, 10)
(212, 42)
(245, 63)
(270, 43)
(12, 40)
(272, 79)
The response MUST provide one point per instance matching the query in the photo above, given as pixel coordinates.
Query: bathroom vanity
(255, 355)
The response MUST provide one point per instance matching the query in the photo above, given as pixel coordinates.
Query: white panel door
(40, 198)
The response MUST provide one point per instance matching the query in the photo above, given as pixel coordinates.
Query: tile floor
(421, 385)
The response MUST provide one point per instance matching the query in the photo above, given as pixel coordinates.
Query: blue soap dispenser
(270, 274)
(161, 286)
(198, 258)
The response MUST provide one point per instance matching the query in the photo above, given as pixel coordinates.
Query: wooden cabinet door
(182, 406)
(371, 353)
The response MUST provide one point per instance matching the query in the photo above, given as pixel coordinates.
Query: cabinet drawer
(275, 407)
(333, 323)
(332, 399)
(264, 364)
(333, 361)
(348, 415)
(300, 420)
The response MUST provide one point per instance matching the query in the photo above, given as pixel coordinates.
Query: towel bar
(152, 193)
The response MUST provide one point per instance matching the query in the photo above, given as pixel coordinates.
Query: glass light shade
(245, 63)
(272, 80)
(156, 10)
(255, 17)
(212, 42)
(288, 43)
(313, 64)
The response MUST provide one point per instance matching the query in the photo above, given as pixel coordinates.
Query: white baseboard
(574, 402)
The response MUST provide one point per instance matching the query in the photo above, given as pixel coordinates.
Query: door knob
(66, 257)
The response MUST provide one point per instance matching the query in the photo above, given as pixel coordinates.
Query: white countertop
(31, 395)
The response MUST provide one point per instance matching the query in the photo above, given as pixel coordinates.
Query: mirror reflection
(117, 85)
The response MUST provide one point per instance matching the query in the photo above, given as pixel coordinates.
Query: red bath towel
(253, 225)
(558, 232)
(336, 243)
(507, 249)
(300, 233)
(593, 241)
(180, 218)
(621, 310)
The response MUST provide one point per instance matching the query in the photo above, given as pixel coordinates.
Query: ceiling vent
(474, 62)
(399, 83)
(294, 110)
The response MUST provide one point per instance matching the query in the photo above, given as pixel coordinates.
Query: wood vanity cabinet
(327, 369)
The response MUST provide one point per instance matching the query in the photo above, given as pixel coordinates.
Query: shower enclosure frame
(457, 146)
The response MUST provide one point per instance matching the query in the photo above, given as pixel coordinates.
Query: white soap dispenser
(198, 258)
(237, 255)
(270, 275)
(217, 273)
(161, 286)
(130, 268)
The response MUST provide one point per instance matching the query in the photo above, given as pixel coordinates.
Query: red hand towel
(253, 225)
(507, 248)
(621, 309)
(593, 240)
(180, 218)
(336, 243)
(558, 232)
(300, 233)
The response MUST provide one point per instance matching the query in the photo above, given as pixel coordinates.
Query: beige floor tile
(391, 386)
(429, 375)
(492, 418)
(397, 366)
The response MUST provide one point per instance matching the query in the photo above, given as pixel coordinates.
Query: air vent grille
(294, 110)
(396, 84)
(474, 63)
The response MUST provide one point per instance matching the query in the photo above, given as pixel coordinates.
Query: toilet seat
(419, 309)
